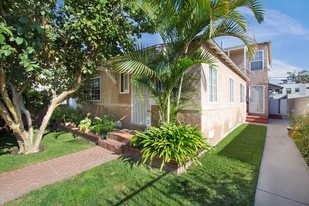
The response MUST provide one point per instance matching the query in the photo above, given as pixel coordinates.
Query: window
(257, 63)
(296, 89)
(95, 89)
(231, 90)
(288, 90)
(212, 84)
(242, 93)
(280, 91)
(124, 84)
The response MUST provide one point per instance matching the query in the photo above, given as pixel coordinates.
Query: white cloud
(275, 23)
(280, 68)
(283, 23)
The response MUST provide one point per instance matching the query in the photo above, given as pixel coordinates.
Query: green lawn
(228, 176)
(56, 144)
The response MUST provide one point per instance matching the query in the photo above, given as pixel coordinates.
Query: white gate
(140, 106)
(278, 106)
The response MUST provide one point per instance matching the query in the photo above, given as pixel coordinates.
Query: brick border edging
(171, 166)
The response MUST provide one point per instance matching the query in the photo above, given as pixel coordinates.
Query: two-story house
(256, 69)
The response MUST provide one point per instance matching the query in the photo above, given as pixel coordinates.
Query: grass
(56, 144)
(228, 176)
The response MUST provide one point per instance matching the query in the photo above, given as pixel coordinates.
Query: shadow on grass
(7, 143)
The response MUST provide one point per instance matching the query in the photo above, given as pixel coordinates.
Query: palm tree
(183, 25)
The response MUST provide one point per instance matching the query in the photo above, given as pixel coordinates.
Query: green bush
(84, 124)
(102, 125)
(36, 101)
(170, 142)
(300, 125)
(67, 114)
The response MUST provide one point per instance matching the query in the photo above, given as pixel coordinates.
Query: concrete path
(18, 182)
(284, 175)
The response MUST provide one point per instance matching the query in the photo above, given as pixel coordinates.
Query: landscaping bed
(228, 176)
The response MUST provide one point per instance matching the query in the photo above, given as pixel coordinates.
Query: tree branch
(5, 96)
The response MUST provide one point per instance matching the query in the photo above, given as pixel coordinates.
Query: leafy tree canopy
(298, 77)
(57, 44)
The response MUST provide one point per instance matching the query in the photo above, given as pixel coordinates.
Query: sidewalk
(284, 175)
(18, 182)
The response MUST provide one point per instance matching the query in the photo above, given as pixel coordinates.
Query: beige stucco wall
(221, 117)
(298, 105)
(216, 119)
(112, 102)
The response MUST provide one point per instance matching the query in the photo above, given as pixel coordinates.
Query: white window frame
(242, 93)
(127, 91)
(232, 90)
(91, 95)
(257, 61)
(213, 86)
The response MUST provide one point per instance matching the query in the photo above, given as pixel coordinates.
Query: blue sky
(286, 25)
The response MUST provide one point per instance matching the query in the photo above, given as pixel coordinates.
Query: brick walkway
(18, 182)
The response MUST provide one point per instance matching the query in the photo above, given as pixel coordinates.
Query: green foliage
(84, 124)
(102, 125)
(181, 143)
(67, 114)
(36, 100)
(300, 134)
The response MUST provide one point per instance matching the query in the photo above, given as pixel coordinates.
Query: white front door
(141, 108)
(256, 99)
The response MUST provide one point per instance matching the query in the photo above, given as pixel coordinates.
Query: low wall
(298, 105)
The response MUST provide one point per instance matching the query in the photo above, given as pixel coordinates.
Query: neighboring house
(220, 94)
(256, 69)
(288, 99)
(291, 91)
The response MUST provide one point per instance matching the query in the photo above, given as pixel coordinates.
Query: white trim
(96, 100)
(128, 84)
(210, 83)
(263, 98)
(231, 102)
(245, 57)
(256, 61)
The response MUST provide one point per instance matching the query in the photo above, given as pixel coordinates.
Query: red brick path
(18, 182)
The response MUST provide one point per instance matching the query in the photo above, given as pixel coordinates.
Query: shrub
(85, 124)
(102, 125)
(300, 135)
(36, 100)
(170, 142)
(67, 114)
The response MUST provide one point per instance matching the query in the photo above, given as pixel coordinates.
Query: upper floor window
(242, 93)
(231, 90)
(212, 84)
(257, 62)
(296, 89)
(124, 84)
(95, 88)
(288, 90)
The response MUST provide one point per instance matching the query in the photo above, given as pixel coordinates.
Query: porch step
(111, 145)
(275, 116)
(120, 136)
(257, 119)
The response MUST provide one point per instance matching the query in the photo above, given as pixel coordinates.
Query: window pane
(95, 89)
(212, 85)
(124, 83)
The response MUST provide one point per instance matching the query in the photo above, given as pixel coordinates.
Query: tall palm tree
(183, 25)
